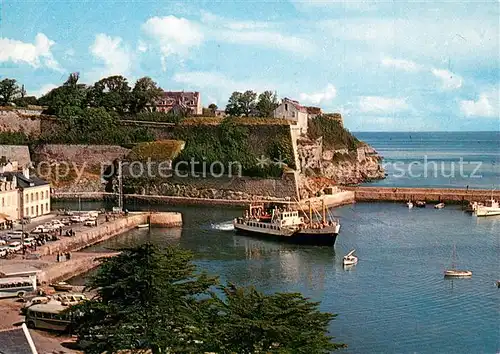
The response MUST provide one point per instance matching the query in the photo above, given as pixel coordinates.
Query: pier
(49, 269)
(397, 194)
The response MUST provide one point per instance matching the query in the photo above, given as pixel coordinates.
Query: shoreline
(359, 194)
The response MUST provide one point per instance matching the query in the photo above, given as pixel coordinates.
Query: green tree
(111, 93)
(147, 298)
(144, 94)
(70, 94)
(266, 104)
(233, 107)
(152, 298)
(241, 103)
(213, 107)
(245, 321)
(9, 89)
(247, 102)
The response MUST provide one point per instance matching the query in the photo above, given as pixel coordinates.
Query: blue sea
(395, 300)
(438, 159)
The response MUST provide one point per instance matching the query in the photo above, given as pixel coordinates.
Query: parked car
(66, 221)
(3, 242)
(4, 251)
(40, 229)
(56, 224)
(89, 223)
(76, 218)
(15, 247)
(29, 241)
(15, 235)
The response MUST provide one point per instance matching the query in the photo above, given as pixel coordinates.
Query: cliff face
(321, 167)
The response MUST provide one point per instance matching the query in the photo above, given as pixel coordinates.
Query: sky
(385, 65)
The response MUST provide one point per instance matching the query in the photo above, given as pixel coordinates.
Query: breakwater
(450, 195)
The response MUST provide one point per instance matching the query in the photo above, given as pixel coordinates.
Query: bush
(335, 136)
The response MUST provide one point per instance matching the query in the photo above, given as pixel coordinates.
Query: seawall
(106, 230)
(426, 194)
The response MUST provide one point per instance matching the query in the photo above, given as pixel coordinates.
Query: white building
(32, 195)
(292, 110)
(9, 200)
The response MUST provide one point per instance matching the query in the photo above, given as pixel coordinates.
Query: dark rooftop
(14, 341)
(24, 182)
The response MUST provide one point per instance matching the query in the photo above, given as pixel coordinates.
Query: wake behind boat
(285, 224)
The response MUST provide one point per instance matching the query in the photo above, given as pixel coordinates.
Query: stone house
(292, 110)
(180, 100)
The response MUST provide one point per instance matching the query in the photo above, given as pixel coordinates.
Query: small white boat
(439, 206)
(410, 204)
(490, 208)
(456, 273)
(142, 226)
(350, 259)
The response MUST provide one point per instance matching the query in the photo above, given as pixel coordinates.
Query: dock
(46, 265)
(398, 194)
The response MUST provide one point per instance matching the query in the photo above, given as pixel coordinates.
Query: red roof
(296, 104)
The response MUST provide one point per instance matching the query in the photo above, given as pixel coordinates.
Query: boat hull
(304, 237)
(458, 274)
(487, 212)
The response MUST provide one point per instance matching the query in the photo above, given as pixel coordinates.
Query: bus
(19, 286)
(49, 316)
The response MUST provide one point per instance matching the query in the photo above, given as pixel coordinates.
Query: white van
(15, 235)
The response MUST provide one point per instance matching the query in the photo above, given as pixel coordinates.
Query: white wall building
(292, 110)
(9, 199)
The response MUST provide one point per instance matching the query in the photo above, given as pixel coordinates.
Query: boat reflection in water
(306, 265)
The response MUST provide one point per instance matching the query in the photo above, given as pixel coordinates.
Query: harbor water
(438, 159)
(395, 300)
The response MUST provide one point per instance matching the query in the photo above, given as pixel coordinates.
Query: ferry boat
(287, 225)
(490, 208)
(439, 206)
(420, 204)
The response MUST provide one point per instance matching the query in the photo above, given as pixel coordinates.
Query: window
(47, 207)
(37, 210)
(31, 196)
(27, 211)
(36, 195)
(286, 106)
(41, 209)
(293, 114)
(46, 194)
(32, 211)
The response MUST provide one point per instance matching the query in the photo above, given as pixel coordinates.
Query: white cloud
(449, 80)
(268, 39)
(329, 93)
(218, 21)
(401, 64)
(173, 35)
(486, 106)
(378, 104)
(113, 53)
(434, 36)
(142, 47)
(37, 54)
(43, 90)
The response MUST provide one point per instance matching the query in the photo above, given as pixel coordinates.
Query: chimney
(26, 172)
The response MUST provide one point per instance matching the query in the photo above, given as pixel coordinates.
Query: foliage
(161, 117)
(93, 126)
(213, 107)
(147, 298)
(248, 321)
(266, 104)
(26, 101)
(335, 136)
(9, 89)
(70, 94)
(145, 93)
(14, 138)
(241, 103)
(156, 151)
(155, 299)
(111, 93)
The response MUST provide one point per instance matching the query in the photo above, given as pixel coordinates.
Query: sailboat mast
(454, 256)
(323, 209)
(310, 212)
